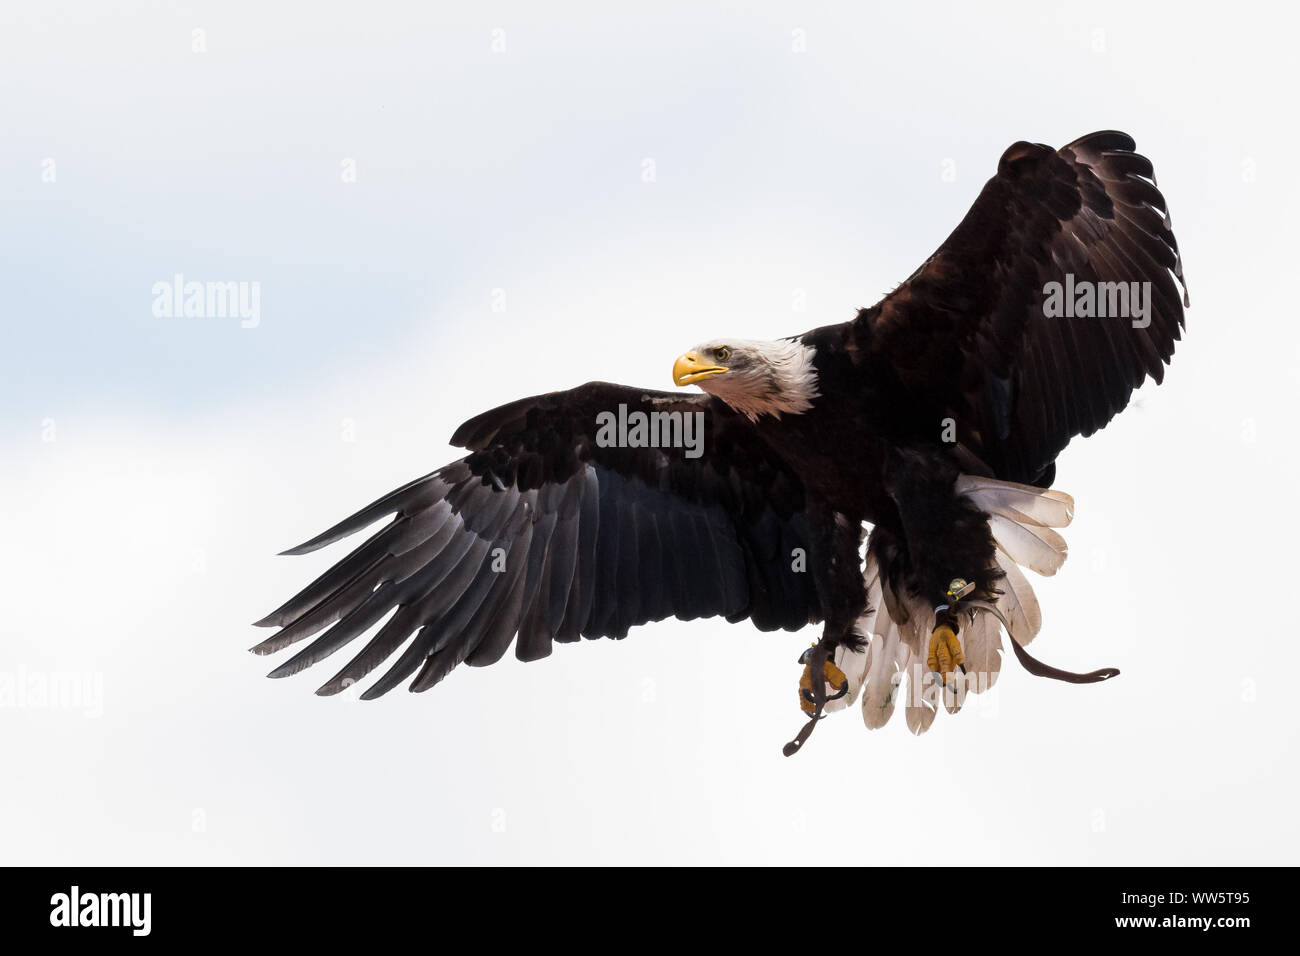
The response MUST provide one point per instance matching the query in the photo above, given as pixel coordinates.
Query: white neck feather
(785, 382)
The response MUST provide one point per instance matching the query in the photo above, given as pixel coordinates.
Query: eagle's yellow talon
(945, 653)
(834, 677)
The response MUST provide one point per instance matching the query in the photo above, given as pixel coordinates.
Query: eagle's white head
(755, 378)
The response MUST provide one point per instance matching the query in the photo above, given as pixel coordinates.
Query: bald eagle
(934, 417)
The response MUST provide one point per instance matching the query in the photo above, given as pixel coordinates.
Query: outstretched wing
(969, 335)
(547, 533)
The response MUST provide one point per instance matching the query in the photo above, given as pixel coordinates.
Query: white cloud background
(139, 544)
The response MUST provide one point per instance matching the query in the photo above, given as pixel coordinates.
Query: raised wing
(546, 534)
(971, 334)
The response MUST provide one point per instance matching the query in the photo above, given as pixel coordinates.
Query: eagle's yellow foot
(833, 675)
(945, 653)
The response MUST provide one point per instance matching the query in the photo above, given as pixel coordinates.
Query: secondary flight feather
(934, 418)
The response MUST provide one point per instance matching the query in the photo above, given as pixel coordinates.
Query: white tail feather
(1017, 601)
(887, 662)
(854, 664)
(1033, 546)
(1055, 509)
(920, 710)
(981, 645)
(1021, 519)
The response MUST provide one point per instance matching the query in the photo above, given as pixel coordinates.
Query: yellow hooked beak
(688, 369)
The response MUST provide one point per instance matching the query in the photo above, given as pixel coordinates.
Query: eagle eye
(722, 354)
